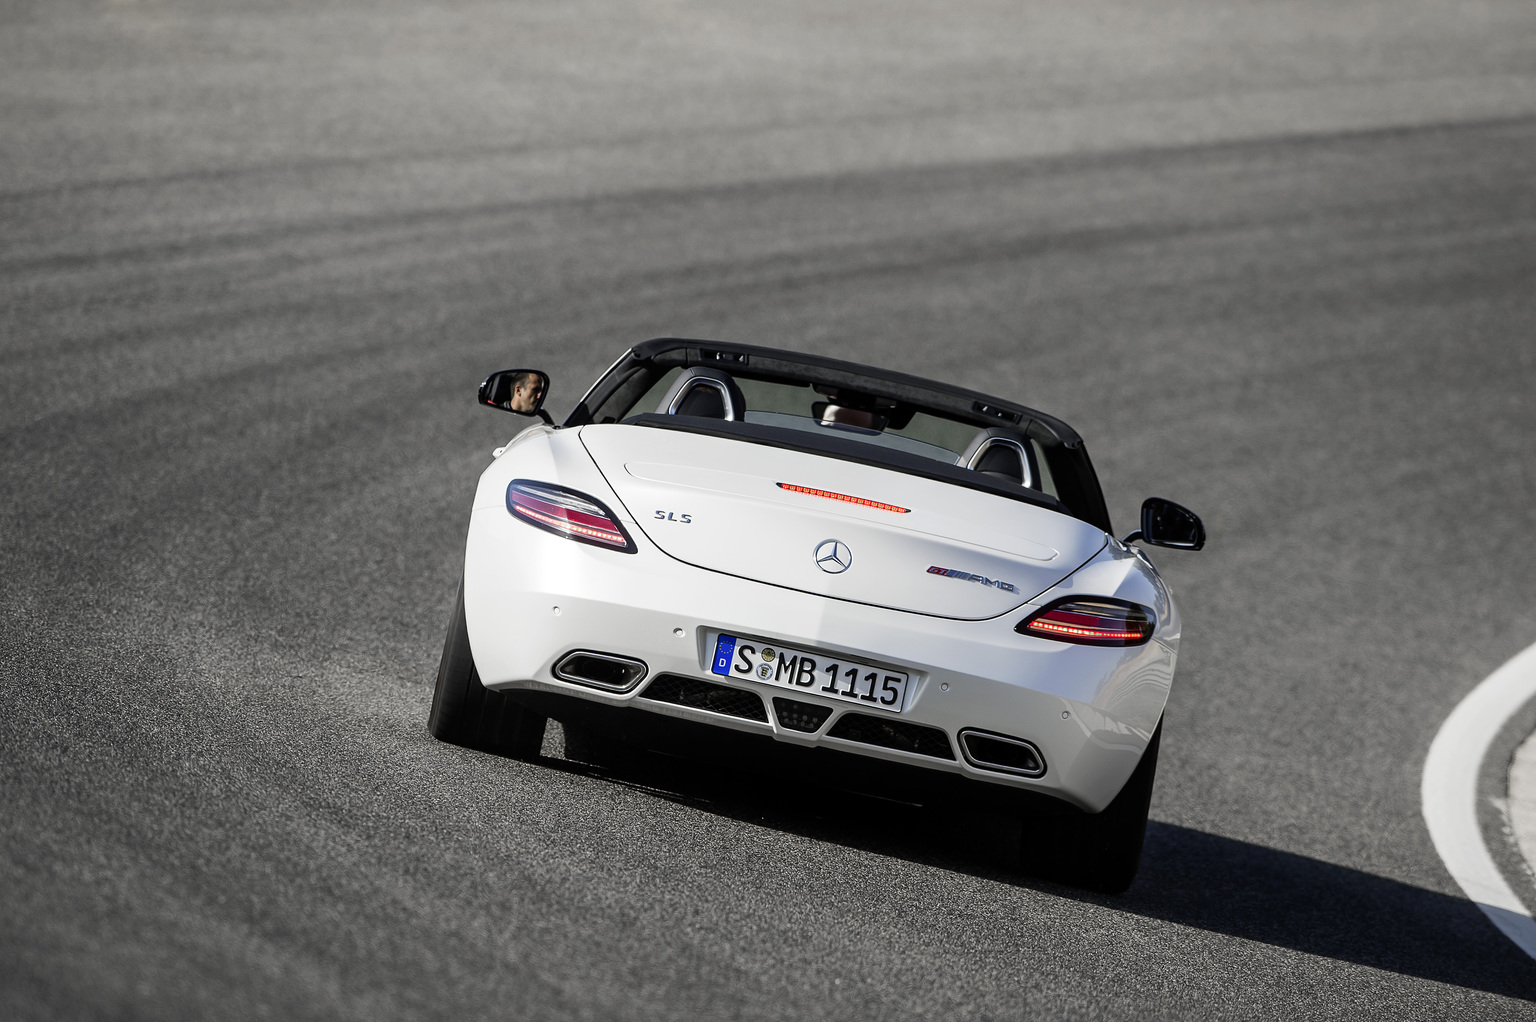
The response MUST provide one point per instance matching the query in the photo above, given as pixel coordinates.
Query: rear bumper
(820, 766)
(531, 598)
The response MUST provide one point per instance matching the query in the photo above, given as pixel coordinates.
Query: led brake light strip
(845, 498)
(610, 536)
(1039, 625)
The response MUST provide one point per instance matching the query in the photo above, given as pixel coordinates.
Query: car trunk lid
(771, 515)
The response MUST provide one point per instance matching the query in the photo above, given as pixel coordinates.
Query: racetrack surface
(1276, 262)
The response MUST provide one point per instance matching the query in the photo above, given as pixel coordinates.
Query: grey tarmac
(1274, 262)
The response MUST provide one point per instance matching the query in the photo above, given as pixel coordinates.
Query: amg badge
(965, 576)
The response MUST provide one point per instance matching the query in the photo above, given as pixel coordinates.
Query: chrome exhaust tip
(999, 752)
(607, 671)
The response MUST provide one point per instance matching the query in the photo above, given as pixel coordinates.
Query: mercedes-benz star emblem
(833, 556)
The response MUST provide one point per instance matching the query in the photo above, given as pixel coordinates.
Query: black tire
(465, 712)
(1100, 851)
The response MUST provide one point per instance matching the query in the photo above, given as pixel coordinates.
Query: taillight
(1096, 622)
(567, 513)
(845, 498)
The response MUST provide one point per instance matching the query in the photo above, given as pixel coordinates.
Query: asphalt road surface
(1276, 262)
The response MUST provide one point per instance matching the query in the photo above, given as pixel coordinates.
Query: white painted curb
(1449, 793)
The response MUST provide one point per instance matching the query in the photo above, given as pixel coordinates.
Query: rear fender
(551, 456)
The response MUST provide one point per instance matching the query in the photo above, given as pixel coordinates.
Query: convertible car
(914, 584)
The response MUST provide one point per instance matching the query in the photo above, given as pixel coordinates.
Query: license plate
(842, 678)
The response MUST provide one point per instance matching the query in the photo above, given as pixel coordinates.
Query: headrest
(708, 393)
(1000, 453)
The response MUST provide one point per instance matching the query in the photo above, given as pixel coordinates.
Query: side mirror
(517, 390)
(1164, 523)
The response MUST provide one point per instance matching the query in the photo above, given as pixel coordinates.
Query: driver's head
(527, 388)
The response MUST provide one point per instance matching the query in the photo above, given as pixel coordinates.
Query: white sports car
(914, 583)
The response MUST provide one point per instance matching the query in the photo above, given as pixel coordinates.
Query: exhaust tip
(607, 671)
(999, 752)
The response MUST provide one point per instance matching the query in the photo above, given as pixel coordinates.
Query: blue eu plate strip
(725, 648)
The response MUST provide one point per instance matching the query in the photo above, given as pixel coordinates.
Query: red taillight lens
(567, 513)
(1101, 622)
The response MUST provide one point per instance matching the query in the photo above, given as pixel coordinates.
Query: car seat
(707, 393)
(1001, 454)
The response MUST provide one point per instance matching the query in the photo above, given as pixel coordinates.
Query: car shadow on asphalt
(1262, 894)
(1189, 877)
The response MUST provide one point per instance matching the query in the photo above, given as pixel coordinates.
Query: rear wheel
(1100, 851)
(465, 712)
